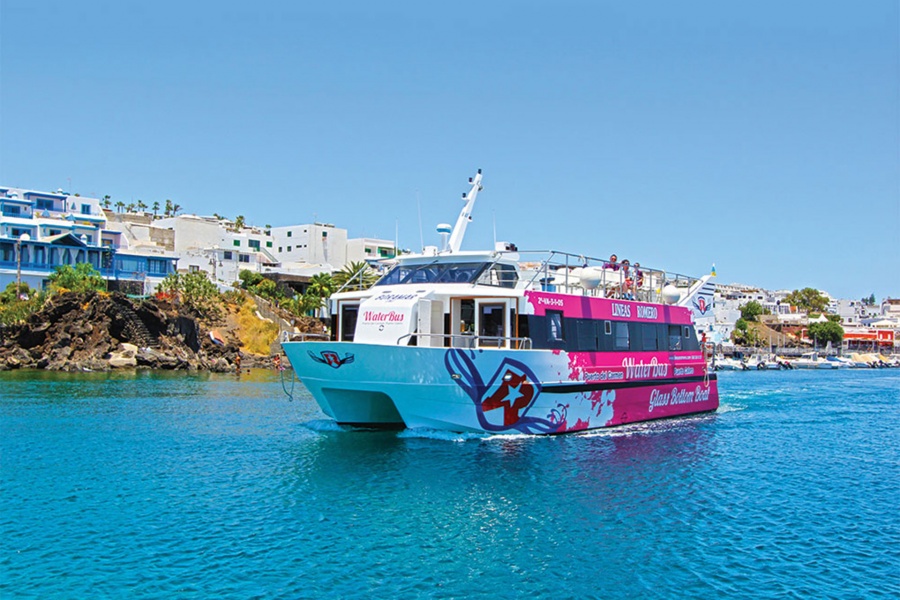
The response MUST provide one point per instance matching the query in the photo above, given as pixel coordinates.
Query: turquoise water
(161, 485)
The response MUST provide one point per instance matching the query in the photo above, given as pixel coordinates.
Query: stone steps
(134, 327)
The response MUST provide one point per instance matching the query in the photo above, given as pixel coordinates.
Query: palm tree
(321, 285)
(320, 288)
(141, 206)
(155, 208)
(168, 211)
(175, 209)
(130, 207)
(239, 223)
(356, 276)
(107, 200)
(119, 206)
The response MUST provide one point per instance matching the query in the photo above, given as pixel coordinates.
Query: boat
(861, 361)
(840, 362)
(723, 363)
(762, 362)
(812, 360)
(505, 341)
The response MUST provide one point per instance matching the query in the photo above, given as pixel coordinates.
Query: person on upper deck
(613, 263)
(638, 275)
(627, 289)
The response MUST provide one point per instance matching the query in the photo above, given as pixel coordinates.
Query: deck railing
(552, 270)
(463, 340)
(287, 336)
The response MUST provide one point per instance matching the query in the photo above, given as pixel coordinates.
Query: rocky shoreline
(99, 332)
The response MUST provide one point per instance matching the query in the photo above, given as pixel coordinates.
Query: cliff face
(98, 332)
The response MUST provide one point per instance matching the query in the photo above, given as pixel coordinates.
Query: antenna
(494, 219)
(465, 215)
(421, 235)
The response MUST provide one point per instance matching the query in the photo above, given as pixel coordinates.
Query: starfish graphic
(511, 397)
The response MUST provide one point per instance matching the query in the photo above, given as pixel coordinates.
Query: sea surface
(163, 485)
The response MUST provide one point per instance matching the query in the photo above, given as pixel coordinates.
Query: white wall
(313, 244)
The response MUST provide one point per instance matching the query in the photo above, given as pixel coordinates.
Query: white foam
(439, 434)
(323, 425)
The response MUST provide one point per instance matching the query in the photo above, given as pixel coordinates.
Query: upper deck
(504, 296)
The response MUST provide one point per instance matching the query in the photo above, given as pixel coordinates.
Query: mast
(465, 215)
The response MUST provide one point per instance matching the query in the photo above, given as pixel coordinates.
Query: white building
(40, 231)
(222, 249)
(311, 244)
(218, 247)
(370, 249)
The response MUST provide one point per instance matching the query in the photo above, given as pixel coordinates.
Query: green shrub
(15, 308)
(83, 277)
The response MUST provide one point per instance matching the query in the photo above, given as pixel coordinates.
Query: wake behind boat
(507, 341)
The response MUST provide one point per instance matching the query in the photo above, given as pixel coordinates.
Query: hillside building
(40, 231)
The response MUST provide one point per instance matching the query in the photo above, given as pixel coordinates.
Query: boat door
(492, 323)
(462, 322)
(347, 315)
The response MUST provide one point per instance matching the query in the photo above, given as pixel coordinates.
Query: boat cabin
(488, 300)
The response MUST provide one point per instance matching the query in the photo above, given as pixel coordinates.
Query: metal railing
(466, 340)
(561, 271)
(355, 282)
(304, 337)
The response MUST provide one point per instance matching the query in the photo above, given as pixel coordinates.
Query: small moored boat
(812, 360)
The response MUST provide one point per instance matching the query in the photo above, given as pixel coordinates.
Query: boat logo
(514, 394)
(332, 359)
(501, 402)
(701, 305)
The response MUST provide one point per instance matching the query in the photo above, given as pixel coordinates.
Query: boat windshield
(433, 273)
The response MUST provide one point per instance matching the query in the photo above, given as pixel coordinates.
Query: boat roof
(451, 258)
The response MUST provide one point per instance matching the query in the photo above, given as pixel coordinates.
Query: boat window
(432, 273)
(425, 274)
(607, 327)
(555, 326)
(500, 275)
(662, 335)
(586, 335)
(648, 337)
(674, 337)
(689, 341)
(459, 273)
(622, 340)
(399, 274)
(491, 324)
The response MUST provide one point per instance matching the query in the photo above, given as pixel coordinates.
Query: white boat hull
(496, 391)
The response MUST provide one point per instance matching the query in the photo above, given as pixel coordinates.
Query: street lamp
(22, 238)
(215, 261)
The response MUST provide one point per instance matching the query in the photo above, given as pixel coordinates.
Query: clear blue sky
(761, 136)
